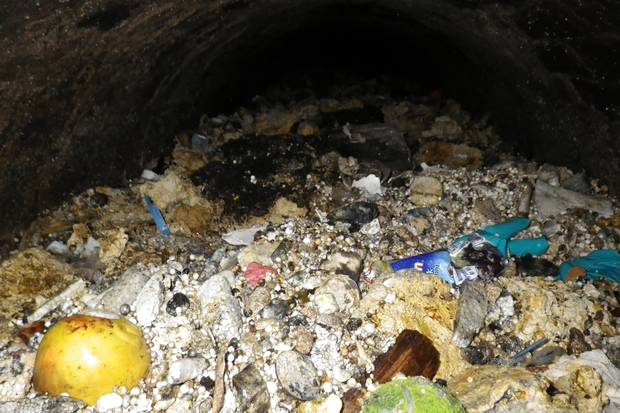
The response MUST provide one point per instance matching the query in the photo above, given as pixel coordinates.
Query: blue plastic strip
(437, 263)
(160, 222)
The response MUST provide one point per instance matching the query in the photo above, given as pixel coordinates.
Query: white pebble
(108, 402)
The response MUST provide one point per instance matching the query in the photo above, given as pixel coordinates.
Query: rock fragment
(16, 375)
(343, 289)
(344, 262)
(109, 402)
(186, 369)
(493, 388)
(149, 301)
(125, 289)
(220, 309)
(331, 404)
(577, 343)
(552, 201)
(473, 307)
(426, 191)
(297, 375)
(355, 214)
(42, 404)
(251, 390)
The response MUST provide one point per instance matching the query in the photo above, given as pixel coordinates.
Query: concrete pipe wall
(92, 90)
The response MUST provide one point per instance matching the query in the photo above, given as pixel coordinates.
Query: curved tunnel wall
(93, 90)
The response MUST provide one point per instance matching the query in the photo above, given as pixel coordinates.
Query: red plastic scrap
(256, 273)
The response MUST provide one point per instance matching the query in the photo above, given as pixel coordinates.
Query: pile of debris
(261, 271)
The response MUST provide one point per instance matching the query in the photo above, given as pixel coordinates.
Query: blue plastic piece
(499, 236)
(160, 222)
(531, 246)
(603, 264)
(508, 229)
(437, 263)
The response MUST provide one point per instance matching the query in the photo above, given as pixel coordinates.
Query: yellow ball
(87, 357)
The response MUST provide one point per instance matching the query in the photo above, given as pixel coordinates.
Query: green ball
(412, 395)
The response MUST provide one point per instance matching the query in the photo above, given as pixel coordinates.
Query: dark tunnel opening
(339, 42)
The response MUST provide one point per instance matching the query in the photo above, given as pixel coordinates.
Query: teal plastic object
(603, 264)
(500, 237)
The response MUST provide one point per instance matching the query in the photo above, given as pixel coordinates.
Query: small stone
(207, 382)
(251, 389)
(485, 212)
(220, 309)
(58, 248)
(326, 303)
(551, 228)
(302, 340)
(277, 309)
(355, 214)
(15, 376)
(577, 343)
(180, 405)
(186, 369)
(353, 324)
(370, 183)
(112, 244)
(326, 356)
(125, 309)
(257, 300)
(472, 310)
(419, 225)
(426, 191)
(149, 300)
(109, 402)
(297, 375)
(478, 355)
(413, 354)
(178, 300)
(343, 289)
(344, 262)
(259, 252)
(372, 228)
(578, 183)
(332, 404)
(125, 289)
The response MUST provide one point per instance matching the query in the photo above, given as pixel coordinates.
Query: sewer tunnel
(94, 90)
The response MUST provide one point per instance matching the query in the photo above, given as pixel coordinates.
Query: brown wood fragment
(413, 354)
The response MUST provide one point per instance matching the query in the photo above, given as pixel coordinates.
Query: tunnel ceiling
(92, 90)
